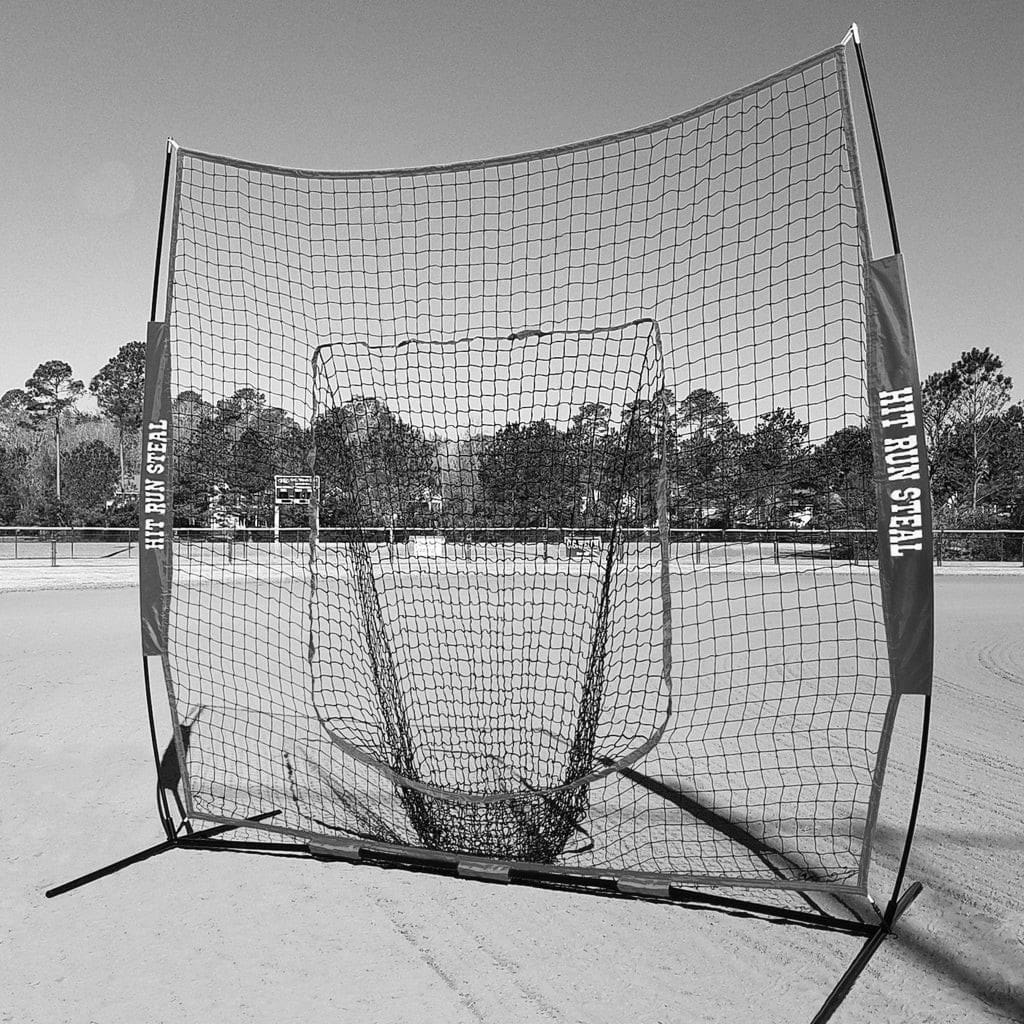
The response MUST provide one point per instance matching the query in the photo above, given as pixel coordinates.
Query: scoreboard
(294, 490)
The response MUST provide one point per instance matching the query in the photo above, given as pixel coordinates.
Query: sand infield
(212, 937)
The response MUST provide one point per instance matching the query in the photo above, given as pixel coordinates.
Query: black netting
(576, 416)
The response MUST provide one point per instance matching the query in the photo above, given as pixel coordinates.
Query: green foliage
(119, 388)
(984, 546)
(592, 422)
(46, 511)
(645, 436)
(51, 390)
(1006, 465)
(773, 466)
(14, 409)
(373, 467)
(962, 410)
(705, 460)
(202, 459)
(535, 475)
(842, 471)
(599, 467)
(226, 456)
(119, 385)
(91, 473)
(240, 411)
(121, 515)
(250, 469)
(13, 466)
(594, 469)
(287, 444)
(458, 468)
(526, 477)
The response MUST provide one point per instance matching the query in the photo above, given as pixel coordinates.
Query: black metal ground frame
(480, 869)
(193, 838)
(483, 870)
(867, 951)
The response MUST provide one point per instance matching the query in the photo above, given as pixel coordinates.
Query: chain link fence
(57, 545)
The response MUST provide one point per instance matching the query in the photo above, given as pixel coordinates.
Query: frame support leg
(867, 951)
(150, 851)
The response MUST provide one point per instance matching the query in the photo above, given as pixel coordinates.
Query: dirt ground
(244, 938)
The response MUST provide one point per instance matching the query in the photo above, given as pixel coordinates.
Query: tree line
(61, 466)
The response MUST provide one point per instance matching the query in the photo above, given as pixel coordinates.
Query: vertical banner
(155, 514)
(901, 473)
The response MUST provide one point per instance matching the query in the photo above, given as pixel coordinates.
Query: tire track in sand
(997, 658)
(484, 981)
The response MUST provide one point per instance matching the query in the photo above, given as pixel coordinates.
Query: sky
(92, 90)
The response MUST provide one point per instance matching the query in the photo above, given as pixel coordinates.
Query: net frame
(478, 801)
(793, 882)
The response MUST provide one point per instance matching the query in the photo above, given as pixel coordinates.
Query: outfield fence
(57, 545)
(979, 546)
